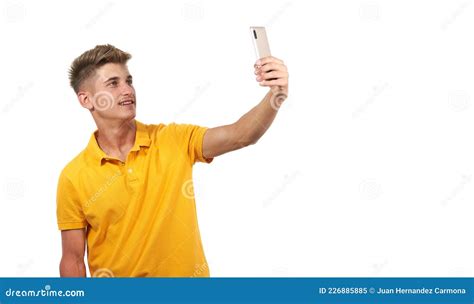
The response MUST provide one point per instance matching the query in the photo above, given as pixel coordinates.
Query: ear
(85, 99)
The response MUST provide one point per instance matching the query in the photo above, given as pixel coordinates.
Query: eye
(130, 82)
(113, 83)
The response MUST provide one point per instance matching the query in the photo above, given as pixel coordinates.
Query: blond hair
(85, 65)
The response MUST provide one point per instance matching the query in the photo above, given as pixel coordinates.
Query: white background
(367, 170)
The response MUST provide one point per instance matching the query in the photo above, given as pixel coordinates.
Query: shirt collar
(142, 139)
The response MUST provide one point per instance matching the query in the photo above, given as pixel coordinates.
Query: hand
(272, 72)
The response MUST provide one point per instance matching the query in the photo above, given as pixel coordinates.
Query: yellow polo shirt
(140, 215)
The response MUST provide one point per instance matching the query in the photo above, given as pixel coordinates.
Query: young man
(128, 195)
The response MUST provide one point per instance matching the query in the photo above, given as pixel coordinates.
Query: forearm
(250, 127)
(272, 73)
(72, 267)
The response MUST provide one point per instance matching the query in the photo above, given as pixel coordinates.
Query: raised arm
(270, 72)
(72, 261)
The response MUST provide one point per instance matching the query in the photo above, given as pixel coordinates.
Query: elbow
(243, 136)
(254, 139)
(245, 142)
(252, 142)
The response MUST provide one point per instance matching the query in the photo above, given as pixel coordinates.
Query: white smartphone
(260, 41)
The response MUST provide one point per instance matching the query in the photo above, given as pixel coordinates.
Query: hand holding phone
(260, 42)
(271, 72)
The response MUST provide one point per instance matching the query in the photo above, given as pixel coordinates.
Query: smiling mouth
(126, 102)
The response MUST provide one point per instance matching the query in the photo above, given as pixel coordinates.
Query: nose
(128, 90)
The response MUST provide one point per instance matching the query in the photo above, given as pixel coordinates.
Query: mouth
(127, 102)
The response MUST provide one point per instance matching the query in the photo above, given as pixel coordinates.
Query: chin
(130, 114)
(127, 115)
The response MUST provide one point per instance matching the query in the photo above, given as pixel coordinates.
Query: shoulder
(73, 168)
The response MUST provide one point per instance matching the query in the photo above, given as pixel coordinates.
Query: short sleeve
(69, 210)
(192, 137)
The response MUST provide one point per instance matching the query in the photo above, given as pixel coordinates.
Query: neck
(116, 138)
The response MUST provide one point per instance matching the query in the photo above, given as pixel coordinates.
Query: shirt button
(130, 170)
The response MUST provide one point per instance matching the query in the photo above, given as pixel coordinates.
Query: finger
(268, 59)
(272, 75)
(277, 82)
(273, 67)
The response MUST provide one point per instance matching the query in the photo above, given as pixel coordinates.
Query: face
(110, 94)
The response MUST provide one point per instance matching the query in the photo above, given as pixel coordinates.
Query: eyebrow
(129, 77)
